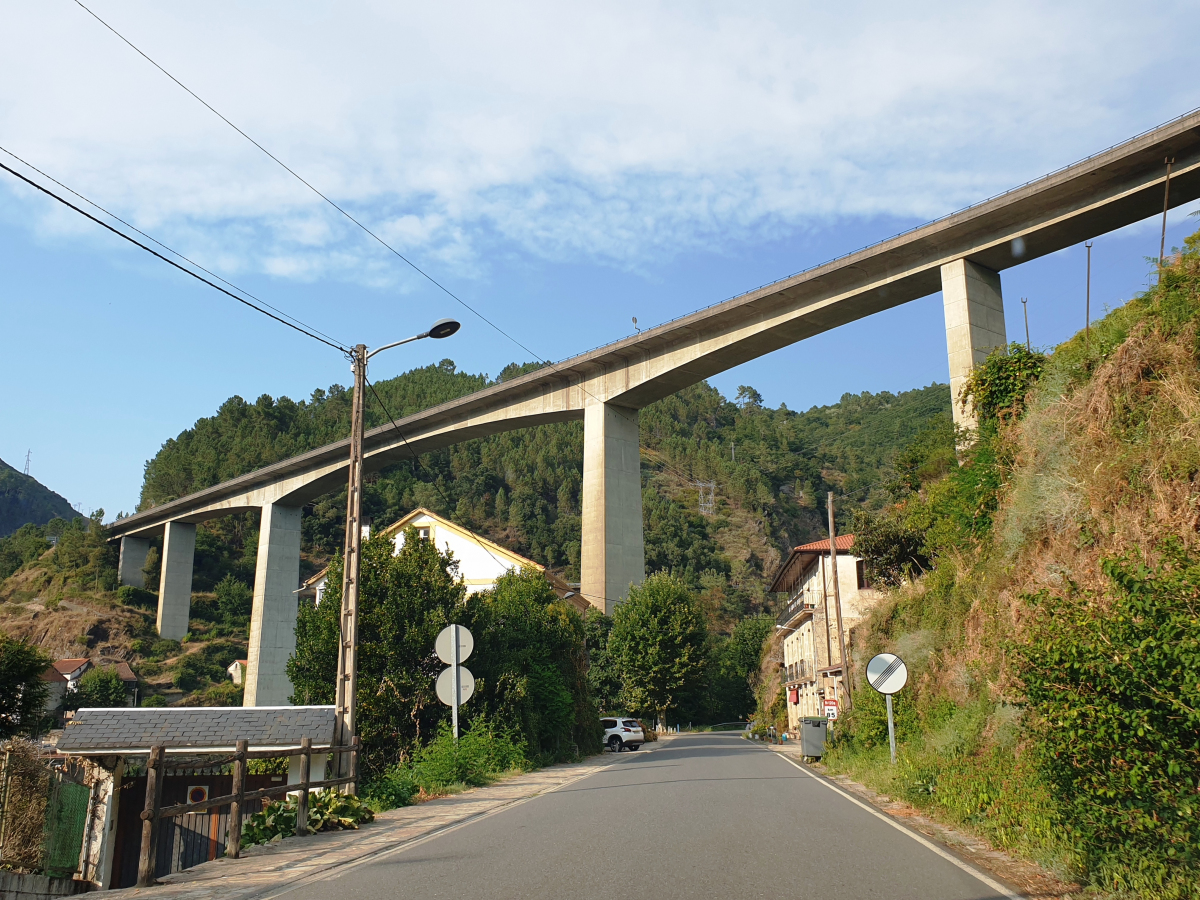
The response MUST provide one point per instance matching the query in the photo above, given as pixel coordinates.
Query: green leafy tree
(405, 599)
(998, 387)
(658, 641)
(530, 662)
(23, 694)
(234, 599)
(603, 677)
(98, 687)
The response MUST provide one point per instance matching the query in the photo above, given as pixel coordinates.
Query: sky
(560, 168)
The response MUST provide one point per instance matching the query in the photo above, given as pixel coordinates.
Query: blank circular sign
(887, 673)
(445, 685)
(445, 644)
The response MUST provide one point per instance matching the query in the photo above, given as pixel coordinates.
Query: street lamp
(347, 676)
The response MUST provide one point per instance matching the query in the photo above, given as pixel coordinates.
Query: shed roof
(125, 673)
(193, 729)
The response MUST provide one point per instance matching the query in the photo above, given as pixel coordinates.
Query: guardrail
(154, 811)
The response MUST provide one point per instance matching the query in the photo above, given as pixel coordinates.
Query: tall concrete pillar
(133, 559)
(613, 556)
(175, 581)
(974, 311)
(273, 619)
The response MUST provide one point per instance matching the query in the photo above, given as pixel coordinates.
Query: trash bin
(812, 735)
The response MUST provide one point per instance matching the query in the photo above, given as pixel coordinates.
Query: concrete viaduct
(962, 255)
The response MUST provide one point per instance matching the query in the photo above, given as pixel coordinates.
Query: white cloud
(620, 133)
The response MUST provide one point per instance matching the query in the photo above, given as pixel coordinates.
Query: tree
(658, 641)
(22, 692)
(234, 599)
(405, 599)
(99, 687)
(603, 677)
(530, 665)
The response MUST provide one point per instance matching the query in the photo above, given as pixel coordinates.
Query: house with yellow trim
(480, 561)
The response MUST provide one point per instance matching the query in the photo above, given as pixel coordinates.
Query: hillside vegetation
(25, 500)
(1053, 626)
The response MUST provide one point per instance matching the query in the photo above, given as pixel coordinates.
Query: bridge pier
(273, 618)
(612, 556)
(134, 551)
(175, 581)
(974, 309)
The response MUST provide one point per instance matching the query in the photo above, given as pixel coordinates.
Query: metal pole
(457, 686)
(1162, 244)
(1025, 306)
(347, 676)
(1087, 324)
(891, 728)
(837, 600)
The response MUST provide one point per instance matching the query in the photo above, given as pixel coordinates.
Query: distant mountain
(25, 500)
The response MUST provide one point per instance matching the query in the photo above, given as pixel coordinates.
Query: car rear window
(608, 723)
(632, 723)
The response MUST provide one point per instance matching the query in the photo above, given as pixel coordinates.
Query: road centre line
(338, 868)
(944, 854)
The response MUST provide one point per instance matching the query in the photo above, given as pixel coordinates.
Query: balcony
(796, 605)
(798, 671)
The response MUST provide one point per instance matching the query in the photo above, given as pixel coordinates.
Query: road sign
(445, 644)
(887, 673)
(445, 686)
(831, 708)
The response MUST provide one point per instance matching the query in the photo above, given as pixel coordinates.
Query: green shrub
(99, 687)
(1114, 688)
(233, 599)
(137, 597)
(393, 788)
(478, 757)
(328, 810)
(154, 700)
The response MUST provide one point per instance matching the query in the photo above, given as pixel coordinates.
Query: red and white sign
(831, 708)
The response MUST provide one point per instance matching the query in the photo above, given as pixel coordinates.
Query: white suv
(622, 733)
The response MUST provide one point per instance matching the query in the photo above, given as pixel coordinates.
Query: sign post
(887, 674)
(456, 684)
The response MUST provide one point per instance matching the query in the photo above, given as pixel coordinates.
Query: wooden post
(148, 861)
(302, 800)
(355, 747)
(837, 600)
(233, 835)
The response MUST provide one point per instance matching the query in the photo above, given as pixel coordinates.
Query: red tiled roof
(125, 673)
(54, 676)
(67, 666)
(843, 543)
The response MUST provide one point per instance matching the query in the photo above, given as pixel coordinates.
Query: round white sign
(445, 644)
(887, 673)
(445, 685)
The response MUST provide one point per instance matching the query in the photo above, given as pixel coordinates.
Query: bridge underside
(961, 255)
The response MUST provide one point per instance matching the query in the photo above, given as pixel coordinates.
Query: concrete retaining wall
(38, 887)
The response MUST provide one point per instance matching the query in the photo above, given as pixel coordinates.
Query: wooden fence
(154, 811)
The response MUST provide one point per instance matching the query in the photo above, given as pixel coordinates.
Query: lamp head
(443, 328)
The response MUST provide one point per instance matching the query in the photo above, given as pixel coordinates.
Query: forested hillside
(771, 468)
(25, 501)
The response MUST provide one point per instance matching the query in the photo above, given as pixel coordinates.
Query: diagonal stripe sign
(887, 673)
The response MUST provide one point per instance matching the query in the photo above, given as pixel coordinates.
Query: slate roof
(211, 728)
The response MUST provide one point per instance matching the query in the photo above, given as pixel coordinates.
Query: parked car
(622, 733)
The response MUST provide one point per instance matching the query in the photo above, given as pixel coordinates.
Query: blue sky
(562, 168)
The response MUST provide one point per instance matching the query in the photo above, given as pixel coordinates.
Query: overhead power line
(303, 329)
(152, 238)
(312, 188)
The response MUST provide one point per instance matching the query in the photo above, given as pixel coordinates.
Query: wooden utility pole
(233, 832)
(347, 674)
(825, 600)
(1162, 244)
(148, 858)
(837, 599)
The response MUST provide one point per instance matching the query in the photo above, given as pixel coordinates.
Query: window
(423, 532)
(861, 566)
(604, 723)
(628, 723)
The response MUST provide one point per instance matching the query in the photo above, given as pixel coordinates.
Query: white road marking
(949, 857)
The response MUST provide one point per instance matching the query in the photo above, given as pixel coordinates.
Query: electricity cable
(151, 237)
(302, 329)
(308, 185)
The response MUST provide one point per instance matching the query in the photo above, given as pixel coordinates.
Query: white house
(480, 561)
(237, 670)
(812, 658)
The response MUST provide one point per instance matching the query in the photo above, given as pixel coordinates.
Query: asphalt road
(697, 816)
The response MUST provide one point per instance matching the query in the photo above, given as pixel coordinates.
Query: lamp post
(347, 675)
